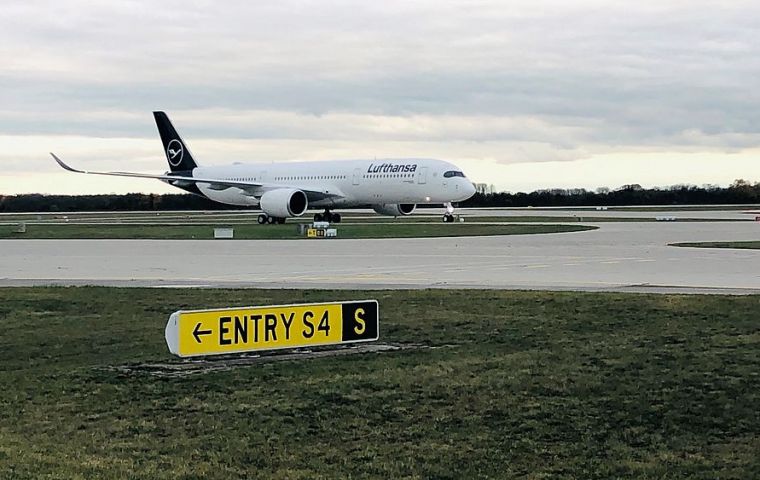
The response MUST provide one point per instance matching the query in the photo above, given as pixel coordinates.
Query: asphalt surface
(628, 256)
(644, 214)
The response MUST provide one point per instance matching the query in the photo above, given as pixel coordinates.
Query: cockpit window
(453, 173)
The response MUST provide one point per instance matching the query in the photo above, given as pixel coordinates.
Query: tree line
(102, 203)
(740, 192)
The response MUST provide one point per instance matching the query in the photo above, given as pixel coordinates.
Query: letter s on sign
(307, 316)
(361, 326)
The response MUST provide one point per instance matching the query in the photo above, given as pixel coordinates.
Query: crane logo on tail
(174, 152)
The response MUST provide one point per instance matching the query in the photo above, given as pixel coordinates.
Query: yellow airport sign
(192, 333)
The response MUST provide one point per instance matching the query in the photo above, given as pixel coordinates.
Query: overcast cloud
(484, 84)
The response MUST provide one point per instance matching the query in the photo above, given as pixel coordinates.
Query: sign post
(191, 333)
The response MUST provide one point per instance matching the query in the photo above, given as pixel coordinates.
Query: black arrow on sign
(197, 333)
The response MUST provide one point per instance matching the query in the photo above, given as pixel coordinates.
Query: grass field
(530, 385)
(286, 231)
(754, 245)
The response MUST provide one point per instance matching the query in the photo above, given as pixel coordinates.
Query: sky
(522, 95)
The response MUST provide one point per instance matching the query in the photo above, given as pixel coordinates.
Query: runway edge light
(191, 333)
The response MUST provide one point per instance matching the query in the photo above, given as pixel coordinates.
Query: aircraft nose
(469, 189)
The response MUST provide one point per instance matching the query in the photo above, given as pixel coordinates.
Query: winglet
(63, 165)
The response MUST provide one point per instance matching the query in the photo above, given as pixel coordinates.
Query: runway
(625, 256)
(628, 213)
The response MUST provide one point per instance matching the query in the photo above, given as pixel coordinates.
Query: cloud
(527, 81)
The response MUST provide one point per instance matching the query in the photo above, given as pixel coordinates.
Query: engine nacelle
(395, 209)
(284, 202)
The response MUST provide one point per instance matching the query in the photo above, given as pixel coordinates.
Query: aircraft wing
(254, 189)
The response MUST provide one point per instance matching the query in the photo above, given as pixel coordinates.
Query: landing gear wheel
(318, 217)
(335, 218)
(281, 220)
(271, 220)
(448, 217)
(262, 219)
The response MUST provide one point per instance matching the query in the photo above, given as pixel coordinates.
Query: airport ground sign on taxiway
(192, 333)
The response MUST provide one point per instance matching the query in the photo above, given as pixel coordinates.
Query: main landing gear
(448, 217)
(264, 218)
(328, 216)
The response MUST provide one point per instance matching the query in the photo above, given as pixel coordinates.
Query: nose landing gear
(448, 217)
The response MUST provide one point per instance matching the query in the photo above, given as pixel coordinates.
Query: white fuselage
(347, 183)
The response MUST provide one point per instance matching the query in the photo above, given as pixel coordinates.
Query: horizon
(600, 190)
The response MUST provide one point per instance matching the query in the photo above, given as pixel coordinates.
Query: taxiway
(625, 256)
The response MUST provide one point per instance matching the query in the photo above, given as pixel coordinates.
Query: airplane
(391, 187)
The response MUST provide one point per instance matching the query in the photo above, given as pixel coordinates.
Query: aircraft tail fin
(177, 153)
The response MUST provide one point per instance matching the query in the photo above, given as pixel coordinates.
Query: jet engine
(284, 202)
(394, 209)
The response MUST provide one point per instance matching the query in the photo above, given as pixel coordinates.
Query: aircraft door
(263, 176)
(357, 175)
(422, 176)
